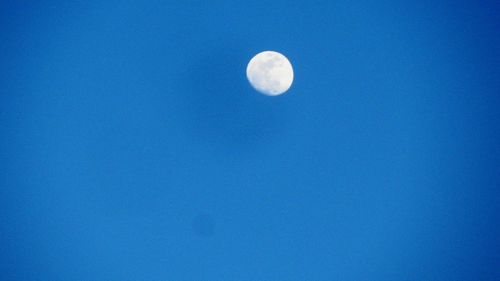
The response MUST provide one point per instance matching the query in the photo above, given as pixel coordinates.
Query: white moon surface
(270, 73)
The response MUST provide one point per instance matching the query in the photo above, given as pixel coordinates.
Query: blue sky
(133, 148)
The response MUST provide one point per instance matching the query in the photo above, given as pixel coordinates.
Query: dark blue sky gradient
(133, 148)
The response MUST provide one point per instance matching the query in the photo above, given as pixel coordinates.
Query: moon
(270, 73)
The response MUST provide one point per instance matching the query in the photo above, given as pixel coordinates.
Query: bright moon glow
(270, 73)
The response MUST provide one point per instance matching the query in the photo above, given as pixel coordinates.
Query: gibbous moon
(270, 73)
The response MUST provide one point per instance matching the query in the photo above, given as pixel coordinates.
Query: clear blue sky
(133, 148)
